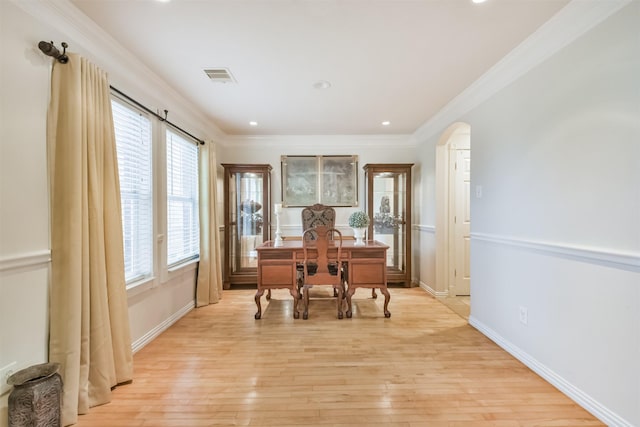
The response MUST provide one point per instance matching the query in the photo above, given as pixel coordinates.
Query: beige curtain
(89, 323)
(209, 285)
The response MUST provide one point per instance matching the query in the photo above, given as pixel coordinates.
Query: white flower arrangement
(358, 219)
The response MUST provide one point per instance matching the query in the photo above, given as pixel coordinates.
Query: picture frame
(299, 180)
(330, 180)
(339, 180)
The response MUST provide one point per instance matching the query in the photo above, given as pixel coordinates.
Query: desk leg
(387, 297)
(258, 295)
(384, 291)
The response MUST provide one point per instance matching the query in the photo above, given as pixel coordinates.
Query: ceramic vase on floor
(36, 397)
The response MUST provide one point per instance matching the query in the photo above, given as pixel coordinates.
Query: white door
(462, 227)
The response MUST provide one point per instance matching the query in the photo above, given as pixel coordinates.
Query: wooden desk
(366, 264)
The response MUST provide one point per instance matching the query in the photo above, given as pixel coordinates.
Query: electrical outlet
(523, 315)
(5, 373)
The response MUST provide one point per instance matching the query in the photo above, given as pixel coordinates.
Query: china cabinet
(247, 201)
(388, 204)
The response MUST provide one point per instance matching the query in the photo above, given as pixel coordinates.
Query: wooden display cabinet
(388, 204)
(247, 219)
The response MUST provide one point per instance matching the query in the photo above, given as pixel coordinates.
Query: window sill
(189, 265)
(140, 286)
(143, 285)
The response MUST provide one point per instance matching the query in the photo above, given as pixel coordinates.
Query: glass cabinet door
(247, 202)
(388, 202)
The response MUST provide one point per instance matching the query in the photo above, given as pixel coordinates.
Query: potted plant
(359, 221)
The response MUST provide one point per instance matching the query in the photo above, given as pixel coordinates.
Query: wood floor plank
(424, 366)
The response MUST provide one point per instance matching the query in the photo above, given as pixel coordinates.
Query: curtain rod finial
(50, 50)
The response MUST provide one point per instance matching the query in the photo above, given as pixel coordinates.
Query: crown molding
(313, 141)
(571, 22)
(568, 24)
(129, 73)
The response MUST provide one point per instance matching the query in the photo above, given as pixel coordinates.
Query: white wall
(24, 218)
(267, 150)
(557, 229)
(24, 229)
(424, 238)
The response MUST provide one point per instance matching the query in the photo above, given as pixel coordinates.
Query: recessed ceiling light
(252, 123)
(478, 1)
(386, 123)
(322, 84)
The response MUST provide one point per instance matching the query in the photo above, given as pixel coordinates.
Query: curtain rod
(49, 49)
(158, 116)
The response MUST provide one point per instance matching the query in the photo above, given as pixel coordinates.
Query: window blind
(183, 231)
(133, 146)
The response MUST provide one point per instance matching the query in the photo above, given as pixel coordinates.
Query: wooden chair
(318, 214)
(322, 264)
(313, 216)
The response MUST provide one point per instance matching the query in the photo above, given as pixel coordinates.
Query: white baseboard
(432, 291)
(138, 344)
(587, 402)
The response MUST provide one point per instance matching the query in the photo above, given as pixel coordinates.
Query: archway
(455, 138)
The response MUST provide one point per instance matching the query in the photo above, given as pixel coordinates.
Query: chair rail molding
(30, 260)
(425, 228)
(594, 255)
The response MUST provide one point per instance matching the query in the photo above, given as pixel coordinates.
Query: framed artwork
(330, 180)
(299, 180)
(339, 180)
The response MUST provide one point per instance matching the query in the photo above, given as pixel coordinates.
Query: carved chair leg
(350, 293)
(305, 313)
(299, 283)
(373, 293)
(340, 292)
(294, 294)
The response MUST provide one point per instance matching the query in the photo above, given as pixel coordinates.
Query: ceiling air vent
(220, 75)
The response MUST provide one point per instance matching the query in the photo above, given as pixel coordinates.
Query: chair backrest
(316, 215)
(321, 255)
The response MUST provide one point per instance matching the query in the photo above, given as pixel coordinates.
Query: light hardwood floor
(459, 305)
(425, 366)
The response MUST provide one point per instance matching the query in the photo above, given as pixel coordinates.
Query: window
(133, 146)
(183, 232)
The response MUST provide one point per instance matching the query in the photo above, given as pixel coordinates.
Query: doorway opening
(453, 217)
